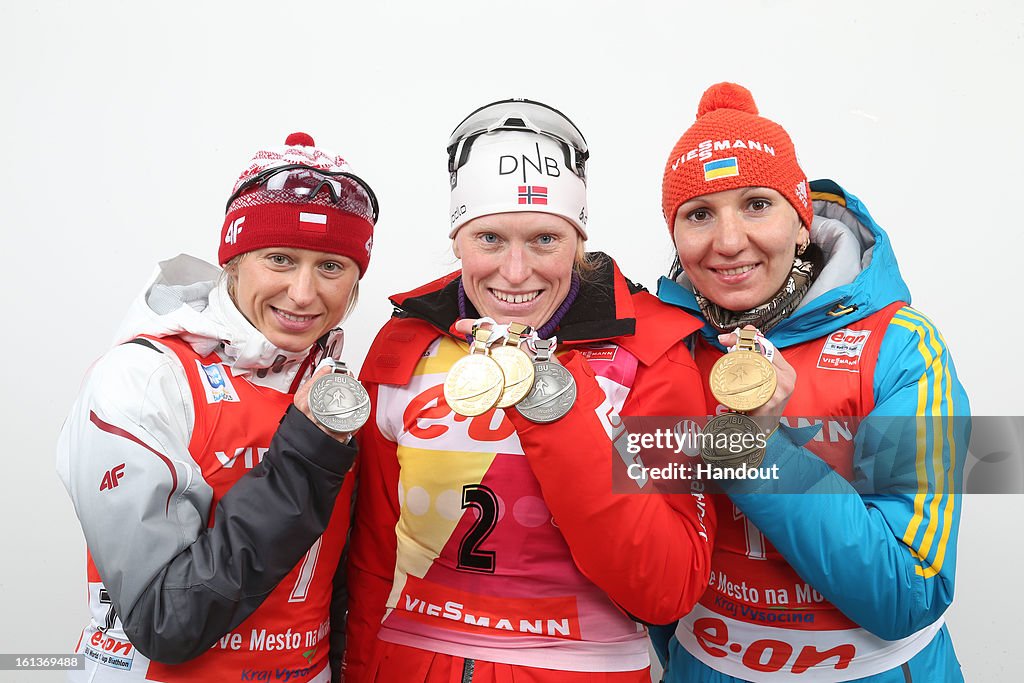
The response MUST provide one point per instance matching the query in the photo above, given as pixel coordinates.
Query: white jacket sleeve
(123, 457)
(176, 583)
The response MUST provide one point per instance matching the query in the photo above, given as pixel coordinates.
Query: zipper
(840, 310)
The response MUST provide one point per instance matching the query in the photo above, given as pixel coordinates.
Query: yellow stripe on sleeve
(935, 429)
(920, 461)
(943, 476)
(945, 487)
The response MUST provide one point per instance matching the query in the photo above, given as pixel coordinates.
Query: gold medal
(743, 379)
(475, 382)
(516, 366)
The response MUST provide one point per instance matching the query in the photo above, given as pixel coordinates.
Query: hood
(860, 276)
(187, 298)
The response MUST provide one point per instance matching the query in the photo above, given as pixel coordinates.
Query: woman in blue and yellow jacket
(841, 566)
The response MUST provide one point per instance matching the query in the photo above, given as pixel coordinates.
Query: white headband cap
(509, 171)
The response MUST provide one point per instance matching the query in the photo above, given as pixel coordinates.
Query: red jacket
(570, 560)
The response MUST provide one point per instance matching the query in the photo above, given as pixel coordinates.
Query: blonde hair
(582, 266)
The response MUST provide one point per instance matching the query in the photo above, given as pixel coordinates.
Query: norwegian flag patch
(533, 194)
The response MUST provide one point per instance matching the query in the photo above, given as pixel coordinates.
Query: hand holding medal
(337, 401)
(744, 380)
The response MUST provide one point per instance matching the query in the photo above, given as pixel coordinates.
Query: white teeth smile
(735, 271)
(294, 318)
(511, 298)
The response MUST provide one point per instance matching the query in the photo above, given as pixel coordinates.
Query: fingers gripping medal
(554, 389)
(743, 379)
(475, 382)
(515, 365)
(338, 401)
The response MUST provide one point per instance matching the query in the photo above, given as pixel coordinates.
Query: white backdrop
(125, 125)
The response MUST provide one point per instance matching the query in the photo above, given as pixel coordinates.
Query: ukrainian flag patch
(721, 168)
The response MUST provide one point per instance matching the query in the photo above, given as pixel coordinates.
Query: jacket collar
(608, 308)
(187, 298)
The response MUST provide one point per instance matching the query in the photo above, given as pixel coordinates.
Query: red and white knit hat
(313, 202)
(728, 147)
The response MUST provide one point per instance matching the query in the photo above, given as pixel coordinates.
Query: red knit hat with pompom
(262, 217)
(728, 147)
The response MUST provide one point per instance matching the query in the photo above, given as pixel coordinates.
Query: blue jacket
(897, 578)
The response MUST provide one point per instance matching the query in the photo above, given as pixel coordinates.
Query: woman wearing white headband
(848, 578)
(487, 546)
(214, 506)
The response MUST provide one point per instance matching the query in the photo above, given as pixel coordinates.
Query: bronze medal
(730, 440)
(475, 382)
(339, 402)
(516, 366)
(743, 379)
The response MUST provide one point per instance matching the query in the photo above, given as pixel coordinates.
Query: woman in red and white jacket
(491, 547)
(215, 508)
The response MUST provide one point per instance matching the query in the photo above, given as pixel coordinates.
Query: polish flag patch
(312, 222)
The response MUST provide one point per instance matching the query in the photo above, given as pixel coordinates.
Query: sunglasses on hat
(522, 116)
(346, 191)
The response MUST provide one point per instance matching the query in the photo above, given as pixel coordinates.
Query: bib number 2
(485, 502)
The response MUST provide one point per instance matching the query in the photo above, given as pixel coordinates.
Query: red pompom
(300, 139)
(726, 96)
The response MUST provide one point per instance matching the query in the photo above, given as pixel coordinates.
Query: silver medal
(339, 402)
(554, 389)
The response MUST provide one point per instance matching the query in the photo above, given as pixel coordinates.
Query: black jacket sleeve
(262, 527)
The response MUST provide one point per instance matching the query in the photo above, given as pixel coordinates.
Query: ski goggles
(340, 189)
(523, 116)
